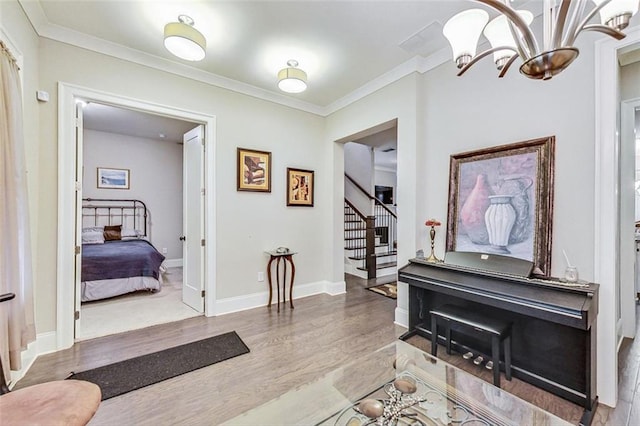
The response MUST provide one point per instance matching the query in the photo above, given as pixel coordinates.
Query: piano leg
(408, 334)
(587, 416)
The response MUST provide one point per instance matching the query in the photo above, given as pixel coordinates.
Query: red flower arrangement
(432, 222)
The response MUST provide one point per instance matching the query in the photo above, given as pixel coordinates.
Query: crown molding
(45, 29)
(374, 85)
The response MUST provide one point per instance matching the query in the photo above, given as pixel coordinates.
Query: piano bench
(500, 332)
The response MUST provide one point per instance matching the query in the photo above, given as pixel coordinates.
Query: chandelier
(511, 38)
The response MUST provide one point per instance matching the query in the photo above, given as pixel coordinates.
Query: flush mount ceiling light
(511, 37)
(183, 40)
(292, 79)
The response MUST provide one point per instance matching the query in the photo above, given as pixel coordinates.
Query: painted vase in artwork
(499, 219)
(473, 211)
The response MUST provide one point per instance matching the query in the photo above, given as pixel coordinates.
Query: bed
(117, 257)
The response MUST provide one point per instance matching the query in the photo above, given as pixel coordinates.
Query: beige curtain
(17, 327)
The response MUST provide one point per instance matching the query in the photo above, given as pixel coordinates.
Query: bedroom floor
(136, 310)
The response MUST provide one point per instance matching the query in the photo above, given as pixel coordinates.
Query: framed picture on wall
(109, 178)
(300, 187)
(501, 201)
(254, 170)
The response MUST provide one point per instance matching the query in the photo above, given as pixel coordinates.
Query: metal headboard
(107, 211)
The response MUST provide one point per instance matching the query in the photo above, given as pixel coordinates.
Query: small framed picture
(254, 170)
(113, 178)
(299, 187)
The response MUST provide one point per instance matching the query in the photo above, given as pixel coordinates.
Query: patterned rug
(389, 290)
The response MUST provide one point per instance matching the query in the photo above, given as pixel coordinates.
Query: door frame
(606, 260)
(67, 95)
(627, 326)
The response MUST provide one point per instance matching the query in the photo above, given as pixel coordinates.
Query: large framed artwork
(501, 201)
(254, 170)
(110, 178)
(300, 187)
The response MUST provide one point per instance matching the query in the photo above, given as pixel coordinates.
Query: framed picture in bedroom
(300, 186)
(501, 201)
(254, 170)
(109, 178)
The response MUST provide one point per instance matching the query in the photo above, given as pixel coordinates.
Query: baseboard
(173, 263)
(334, 289)
(45, 343)
(256, 300)
(402, 317)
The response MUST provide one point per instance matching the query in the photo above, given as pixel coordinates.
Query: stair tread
(381, 266)
(390, 253)
(364, 247)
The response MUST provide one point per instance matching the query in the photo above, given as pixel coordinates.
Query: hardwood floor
(288, 349)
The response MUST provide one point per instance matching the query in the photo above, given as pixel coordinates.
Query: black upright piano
(554, 323)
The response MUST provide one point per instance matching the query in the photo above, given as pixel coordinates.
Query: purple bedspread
(120, 259)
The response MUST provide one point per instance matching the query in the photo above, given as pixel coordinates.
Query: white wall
(358, 164)
(630, 81)
(155, 178)
(247, 223)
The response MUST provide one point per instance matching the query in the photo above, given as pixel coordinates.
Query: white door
(193, 218)
(78, 224)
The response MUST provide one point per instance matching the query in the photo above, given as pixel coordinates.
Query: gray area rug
(135, 373)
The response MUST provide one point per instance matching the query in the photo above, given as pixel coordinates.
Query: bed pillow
(93, 229)
(112, 233)
(130, 234)
(92, 237)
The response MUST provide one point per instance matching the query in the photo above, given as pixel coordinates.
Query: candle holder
(432, 233)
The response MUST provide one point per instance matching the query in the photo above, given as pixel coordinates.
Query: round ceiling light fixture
(183, 40)
(292, 79)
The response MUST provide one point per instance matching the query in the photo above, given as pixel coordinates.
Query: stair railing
(363, 227)
(382, 224)
(386, 223)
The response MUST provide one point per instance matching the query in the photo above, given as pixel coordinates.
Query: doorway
(69, 186)
(370, 184)
(149, 149)
(607, 253)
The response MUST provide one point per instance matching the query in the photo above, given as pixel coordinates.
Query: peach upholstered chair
(61, 402)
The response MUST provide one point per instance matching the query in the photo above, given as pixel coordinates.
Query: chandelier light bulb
(463, 32)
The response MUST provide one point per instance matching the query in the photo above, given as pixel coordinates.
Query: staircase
(369, 237)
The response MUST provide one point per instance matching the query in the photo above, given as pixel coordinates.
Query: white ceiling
(122, 121)
(342, 45)
(347, 48)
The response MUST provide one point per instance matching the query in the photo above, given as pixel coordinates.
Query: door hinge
(78, 186)
(202, 242)
(77, 249)
(76, 315)
(202, 293)
(203, 191)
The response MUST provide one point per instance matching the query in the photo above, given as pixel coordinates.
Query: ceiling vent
(426, 41)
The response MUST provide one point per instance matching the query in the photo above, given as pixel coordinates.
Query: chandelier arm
(482, 55)
(506, 66)
(529, 39)
(573, 23)
(560, 21)
(612, 32)
(571, 38)
(520, 49)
